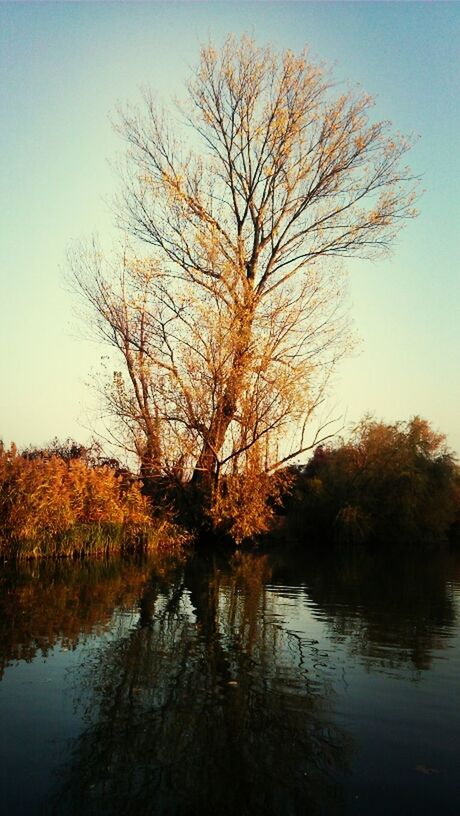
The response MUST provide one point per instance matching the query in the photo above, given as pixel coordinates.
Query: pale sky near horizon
(65, 68)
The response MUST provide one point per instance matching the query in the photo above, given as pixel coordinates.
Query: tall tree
(231, 323)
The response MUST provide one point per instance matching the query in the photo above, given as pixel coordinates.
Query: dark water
(255, 685)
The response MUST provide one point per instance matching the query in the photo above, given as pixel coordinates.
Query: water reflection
(43, 604)
(209, 692)
(394, 612)
(203, 707)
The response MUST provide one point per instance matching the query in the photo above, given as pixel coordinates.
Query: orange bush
(46, 498)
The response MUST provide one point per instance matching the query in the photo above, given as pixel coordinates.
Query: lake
(248, 684)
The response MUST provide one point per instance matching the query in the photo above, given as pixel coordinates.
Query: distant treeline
(388, 484)
(65, 500)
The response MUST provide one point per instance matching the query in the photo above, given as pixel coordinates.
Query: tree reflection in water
(200, 698)
(393, 610)
(44, 604)
(207, 705)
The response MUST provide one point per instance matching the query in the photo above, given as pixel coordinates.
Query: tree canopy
(395, 484)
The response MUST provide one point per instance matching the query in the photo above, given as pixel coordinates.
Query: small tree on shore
(391, 484)
(230, 322)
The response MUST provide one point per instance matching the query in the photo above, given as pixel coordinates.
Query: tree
(391, 484)
(230, 326)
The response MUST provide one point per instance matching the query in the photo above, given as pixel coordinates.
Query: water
(251, 685)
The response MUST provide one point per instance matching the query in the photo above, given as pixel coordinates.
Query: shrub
(51, 505)
(391, 483)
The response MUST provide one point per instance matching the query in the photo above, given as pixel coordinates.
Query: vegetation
(389, 484)
(59, 502)
(225, 313)
(225, 321)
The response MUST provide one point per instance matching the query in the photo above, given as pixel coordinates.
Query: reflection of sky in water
(37, 718)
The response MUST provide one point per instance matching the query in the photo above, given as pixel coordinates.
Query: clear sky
(66, 66)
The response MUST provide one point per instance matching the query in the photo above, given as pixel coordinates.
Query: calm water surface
(250, 685)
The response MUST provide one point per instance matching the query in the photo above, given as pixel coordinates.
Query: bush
(389, 483)
(56, 505)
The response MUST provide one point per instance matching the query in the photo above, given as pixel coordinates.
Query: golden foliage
(50, 505)
(244, 504)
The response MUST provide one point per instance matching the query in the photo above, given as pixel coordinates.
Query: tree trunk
(206, 466)
(150, 456)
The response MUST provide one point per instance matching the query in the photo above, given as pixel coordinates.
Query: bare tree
(231, 325)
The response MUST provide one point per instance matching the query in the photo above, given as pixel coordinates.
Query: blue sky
(65, 68)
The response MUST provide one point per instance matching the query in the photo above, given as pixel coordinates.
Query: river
(244, 685)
